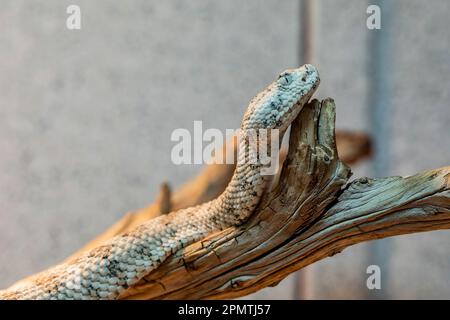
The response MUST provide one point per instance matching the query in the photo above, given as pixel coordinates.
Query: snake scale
(109, 269)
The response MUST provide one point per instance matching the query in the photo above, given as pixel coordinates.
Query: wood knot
(239, 282)
(363, 180)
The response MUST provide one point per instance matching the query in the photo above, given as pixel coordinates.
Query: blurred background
(86, 116)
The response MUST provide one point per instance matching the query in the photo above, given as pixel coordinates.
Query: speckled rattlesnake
(106, 271)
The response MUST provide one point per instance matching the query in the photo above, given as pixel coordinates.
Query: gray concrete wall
(419, 265)
(86, 116)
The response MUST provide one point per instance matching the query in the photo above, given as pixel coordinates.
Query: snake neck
(248, 183)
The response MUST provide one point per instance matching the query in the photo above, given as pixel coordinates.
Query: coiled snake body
(106, 271)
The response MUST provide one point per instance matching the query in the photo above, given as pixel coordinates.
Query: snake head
(280, 103)
(295, 83)
(294, 89)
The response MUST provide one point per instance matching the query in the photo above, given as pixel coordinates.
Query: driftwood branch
(311, 214)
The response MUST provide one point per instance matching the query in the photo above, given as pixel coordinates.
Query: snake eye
(285, 78)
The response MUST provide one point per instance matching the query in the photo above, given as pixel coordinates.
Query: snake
(109, 269)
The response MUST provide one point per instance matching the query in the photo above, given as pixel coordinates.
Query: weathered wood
(311, 214)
